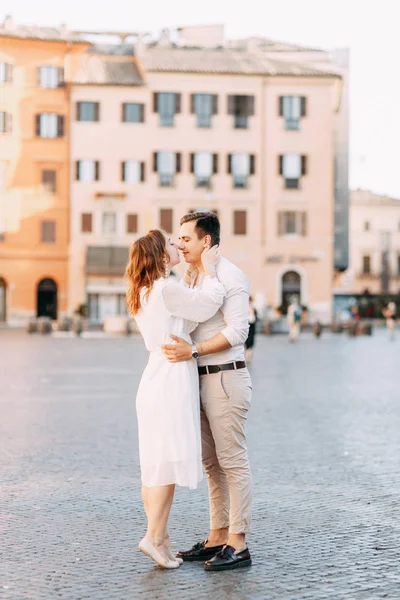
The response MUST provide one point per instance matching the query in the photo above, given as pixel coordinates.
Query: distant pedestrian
(294, 315)
(390, 315)
(253, 317)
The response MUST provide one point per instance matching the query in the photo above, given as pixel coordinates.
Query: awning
(106, 260)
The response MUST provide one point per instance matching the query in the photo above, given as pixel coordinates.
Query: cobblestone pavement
(324, 438)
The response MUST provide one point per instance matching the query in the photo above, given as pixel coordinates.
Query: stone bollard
(268, 327)
(31, 326)
(365, 329)
(352, 328)
(77, 325)
(64, 324)
(44, 325)
(336, 327)
(317, 329)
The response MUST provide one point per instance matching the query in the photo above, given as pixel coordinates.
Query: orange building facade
(34, 172)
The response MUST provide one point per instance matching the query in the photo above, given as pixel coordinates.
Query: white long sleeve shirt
(231, 319)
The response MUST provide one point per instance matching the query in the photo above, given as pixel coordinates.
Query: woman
(168, 397)
(390, 315)
(252, 330)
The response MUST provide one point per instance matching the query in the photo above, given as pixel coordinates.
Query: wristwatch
(195, 352)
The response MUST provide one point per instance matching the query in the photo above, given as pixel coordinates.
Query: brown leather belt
(208, 369)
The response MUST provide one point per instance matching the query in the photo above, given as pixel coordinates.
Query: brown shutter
(304, 165)
(86, 222)
(142, 171)
(48, 231)
(9, 73)
(280, 102)
(155, 162)
(123, 112)
(60, 126)
(214, 104)
(229, 166)
(37, 120)
(78, 111)
(240, 222)
(178, 162)
(303, 106)
(166, 219)
(61, 77)
(231, 105)
(303, 225)
(155, 102)
(123, 171)
(77, 170)
(192, 162)
(177, 103)
(8, 122)
(280, 164)
(250, 106)
(96, 111)
(192, 104)
(141, 118)
(281, 223)
(131, 223)
(97, 170)
(252, 164)
(49, 180)
(215, 163)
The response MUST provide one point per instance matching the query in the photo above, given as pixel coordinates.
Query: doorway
(47, 299)
(291, 286)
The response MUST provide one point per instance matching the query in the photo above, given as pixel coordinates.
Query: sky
(369, 28)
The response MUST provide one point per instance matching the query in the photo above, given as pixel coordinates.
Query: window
(167, 105)
(5, 122)
(86, 222)
(88, 111)
(6, 72)
(292, 108)
(241, 107)
(203, 165)
(239, 222)
(132, 171)
(48, 232)
(109, 223)
(166, 216)
(366, 264)
(166, 164)
(241, 165)
(131, 223)
(292, 167)
(87, 170)
(132, 112)
(50, 77)
(204, 106)
(367, 225)
(292, 223)
(49, 125)
(49, 181)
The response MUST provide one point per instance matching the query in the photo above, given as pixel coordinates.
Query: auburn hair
(146, 264)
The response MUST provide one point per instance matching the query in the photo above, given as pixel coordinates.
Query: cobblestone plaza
(324, 442)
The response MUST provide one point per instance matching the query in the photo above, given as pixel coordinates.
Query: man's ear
(207, 240)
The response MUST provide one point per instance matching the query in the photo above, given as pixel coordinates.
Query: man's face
(190, 244)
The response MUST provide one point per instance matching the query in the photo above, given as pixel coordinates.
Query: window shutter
(252, 164)
(61, 77)
(77, 171)
(141, 118)
(9, 73)
(96, 111)
(214, 104)
(303, 106)
(192, 103)
(123, 112)
(240, 222)
(250, 106)
(280, 99)
(142, 171)
(37, 119)
(155, 162)
(38, 78)
(155, 102)
(280, 164)
(303, 224)
(192, 162)
(281, 223)
(78, 111)
(178, 162)
(48, 231)
(166, 219)
(123, 171)
(8, 122)
(229, 168)
(131, 223)
(97, 170)
(177, 103)
(304, 165)
(215, 163)
(60, 126)
(231, 105)
(86, 222)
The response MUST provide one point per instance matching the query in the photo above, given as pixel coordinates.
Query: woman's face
(172, 251)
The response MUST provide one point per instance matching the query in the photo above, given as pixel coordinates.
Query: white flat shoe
(151, 551)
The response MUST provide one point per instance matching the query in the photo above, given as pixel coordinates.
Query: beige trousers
(225, 400)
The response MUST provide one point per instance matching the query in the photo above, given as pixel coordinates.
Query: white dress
(167, 403)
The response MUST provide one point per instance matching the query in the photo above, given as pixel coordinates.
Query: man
(294, 314)
(225, 395)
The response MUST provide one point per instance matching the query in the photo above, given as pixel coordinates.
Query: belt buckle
(207, 372)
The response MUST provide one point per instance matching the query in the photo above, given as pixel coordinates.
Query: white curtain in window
(109, 223)
(2, 72)
(2, 121)
(86, 170)
(292, 107)
(167, 163)
(132, 171)
(241, 164)
(49, 77)
(48, 125)
(203, 164)
(291, 166)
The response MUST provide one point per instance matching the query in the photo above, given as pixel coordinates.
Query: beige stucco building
(159, 129)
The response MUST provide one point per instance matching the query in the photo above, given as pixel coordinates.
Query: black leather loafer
(227, 559)
(199, 552)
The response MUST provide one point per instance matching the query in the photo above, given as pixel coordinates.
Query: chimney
(63, 29)
(165, 38)
(9, 24)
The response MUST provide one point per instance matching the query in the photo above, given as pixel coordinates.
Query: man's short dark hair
(207, 223)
